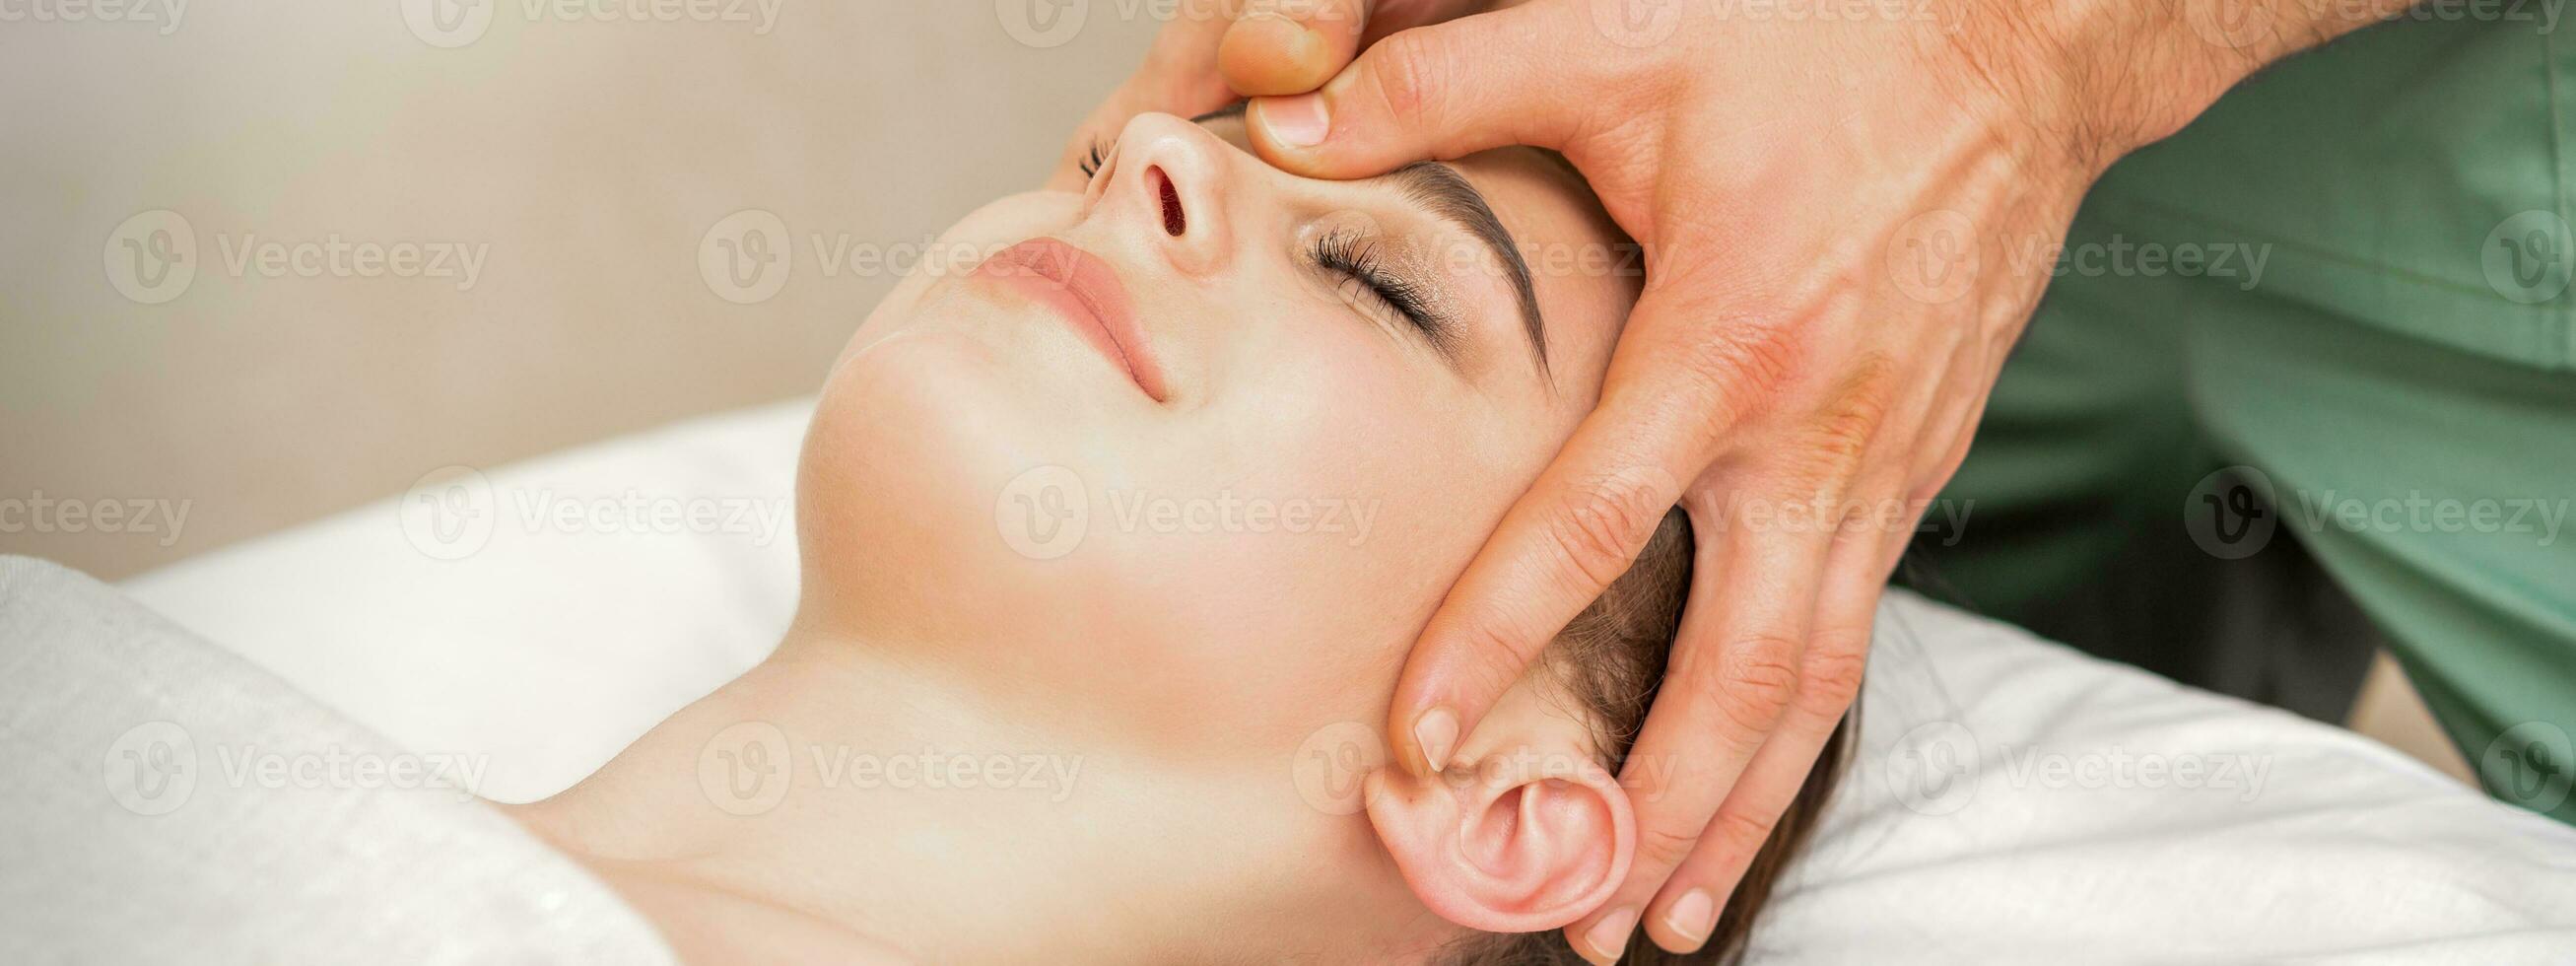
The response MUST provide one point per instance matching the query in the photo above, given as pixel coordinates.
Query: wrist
(2131, 73)
(2098, 79)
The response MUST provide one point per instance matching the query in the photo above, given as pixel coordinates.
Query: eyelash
(1353, 257)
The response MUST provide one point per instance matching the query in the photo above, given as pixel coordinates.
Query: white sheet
(2013, 801)
(164, 801)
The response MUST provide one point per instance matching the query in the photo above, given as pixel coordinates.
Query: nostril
(1175, 221)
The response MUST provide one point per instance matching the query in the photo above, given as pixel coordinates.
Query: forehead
(1585, 275)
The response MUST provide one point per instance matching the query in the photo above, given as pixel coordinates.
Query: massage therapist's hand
(1215, 52)
(1848, 222)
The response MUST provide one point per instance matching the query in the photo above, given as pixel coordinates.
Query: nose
(1170, 176)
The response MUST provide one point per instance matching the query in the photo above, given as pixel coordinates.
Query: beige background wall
(588, 160)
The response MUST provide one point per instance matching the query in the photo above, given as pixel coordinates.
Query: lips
(1084, 291)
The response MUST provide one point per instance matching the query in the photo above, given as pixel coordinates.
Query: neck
(839, 797)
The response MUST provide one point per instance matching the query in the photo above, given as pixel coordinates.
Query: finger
(1735, 671)
(1440, 91)
(1290, 48)
(1685, 909)
(1580, 524)
(1577, 528)
(1282, 47)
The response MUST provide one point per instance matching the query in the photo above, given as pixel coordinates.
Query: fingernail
(1609, 937)
(1692, 915)
(1298, 122)
(1436, 733)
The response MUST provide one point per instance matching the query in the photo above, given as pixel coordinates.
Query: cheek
(1346, 482)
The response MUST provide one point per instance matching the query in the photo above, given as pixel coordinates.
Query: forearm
(2127, 73)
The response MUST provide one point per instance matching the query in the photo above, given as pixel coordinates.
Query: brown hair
(1613, 657)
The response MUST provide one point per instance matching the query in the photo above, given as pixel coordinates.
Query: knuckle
(1406, 69)
(1755, 679)
(1845, 431)
(1860, 405)
(1832, 681)
(1741, 831)
(1606, 522)
(1664, 848)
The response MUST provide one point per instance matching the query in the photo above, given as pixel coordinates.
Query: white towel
(162, 800)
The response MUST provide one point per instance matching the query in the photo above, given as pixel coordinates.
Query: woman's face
(1209, 447)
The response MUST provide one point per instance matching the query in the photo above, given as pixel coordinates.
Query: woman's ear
(1523, 831)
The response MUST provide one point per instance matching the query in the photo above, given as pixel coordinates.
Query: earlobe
(1524, 840)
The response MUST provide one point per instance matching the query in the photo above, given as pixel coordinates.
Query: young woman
(1149, 504)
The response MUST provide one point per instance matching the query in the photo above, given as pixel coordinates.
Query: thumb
(1439, 91)
(1280, 47)
(1276, 48)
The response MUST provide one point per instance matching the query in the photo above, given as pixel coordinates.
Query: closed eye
(1091, 164)
(1352, 256)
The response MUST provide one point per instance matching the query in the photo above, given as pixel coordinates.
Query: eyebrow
(1447, 194)
(1438, 188)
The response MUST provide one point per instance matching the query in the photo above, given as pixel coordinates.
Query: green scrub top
(2330, 320)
